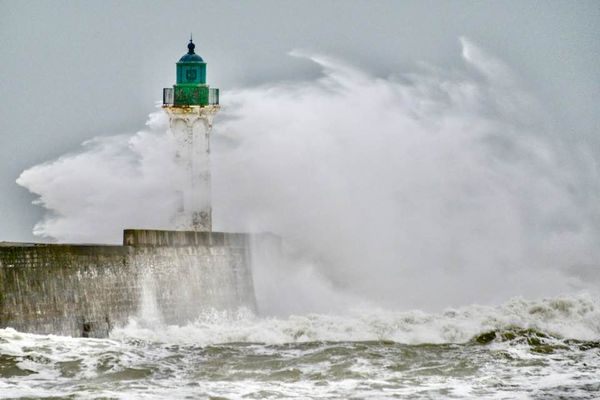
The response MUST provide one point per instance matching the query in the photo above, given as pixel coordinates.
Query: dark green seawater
(416, 356)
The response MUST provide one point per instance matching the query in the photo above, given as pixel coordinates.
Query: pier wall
(86, 290)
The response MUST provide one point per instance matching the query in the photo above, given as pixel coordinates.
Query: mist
(425, 189)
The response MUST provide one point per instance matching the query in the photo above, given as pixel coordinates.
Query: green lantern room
(190, 88)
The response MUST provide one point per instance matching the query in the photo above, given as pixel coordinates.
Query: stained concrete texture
(86, 290)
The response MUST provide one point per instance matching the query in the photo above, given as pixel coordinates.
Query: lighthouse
(191, 106)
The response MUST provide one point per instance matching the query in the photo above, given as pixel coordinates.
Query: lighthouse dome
(191, 56)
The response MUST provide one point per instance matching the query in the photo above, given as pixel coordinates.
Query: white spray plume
(419, 190)
(115, 181)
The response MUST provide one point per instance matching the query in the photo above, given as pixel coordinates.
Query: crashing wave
(573, 317)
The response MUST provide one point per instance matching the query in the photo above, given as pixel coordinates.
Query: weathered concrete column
(191, 127)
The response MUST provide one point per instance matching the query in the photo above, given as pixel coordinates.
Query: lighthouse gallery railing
(169, 96)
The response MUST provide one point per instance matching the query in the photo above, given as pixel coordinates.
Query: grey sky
(74, 70)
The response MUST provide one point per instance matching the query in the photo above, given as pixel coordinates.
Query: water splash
(570, 317)
(112, 183)
(149, 312)
(527, 348)
(421, 189)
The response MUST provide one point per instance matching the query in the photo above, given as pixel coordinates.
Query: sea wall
(86, 290)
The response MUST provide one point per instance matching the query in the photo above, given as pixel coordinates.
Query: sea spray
(115, 182)
(428, 189)
(419, 190)
(149, 313)
(565, 317)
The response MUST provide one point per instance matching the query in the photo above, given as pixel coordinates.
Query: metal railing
(168, 97)
(213, 96)
(197, 99)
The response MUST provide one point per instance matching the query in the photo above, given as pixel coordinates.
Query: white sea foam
(213, 356)
(199, 360)
(566, 317)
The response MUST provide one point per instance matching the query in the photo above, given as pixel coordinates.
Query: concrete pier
(86, 290)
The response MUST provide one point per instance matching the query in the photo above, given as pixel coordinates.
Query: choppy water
(521, 350)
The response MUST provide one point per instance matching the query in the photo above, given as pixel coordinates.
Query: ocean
(413, 190)
(523, 349)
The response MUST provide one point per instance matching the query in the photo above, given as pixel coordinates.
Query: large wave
(422, 189)
(560, 318)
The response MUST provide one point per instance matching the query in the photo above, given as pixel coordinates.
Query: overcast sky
(70, 71)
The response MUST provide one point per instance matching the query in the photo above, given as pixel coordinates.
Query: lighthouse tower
(191, 106)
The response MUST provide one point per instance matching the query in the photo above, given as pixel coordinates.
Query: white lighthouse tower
(191, 106)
